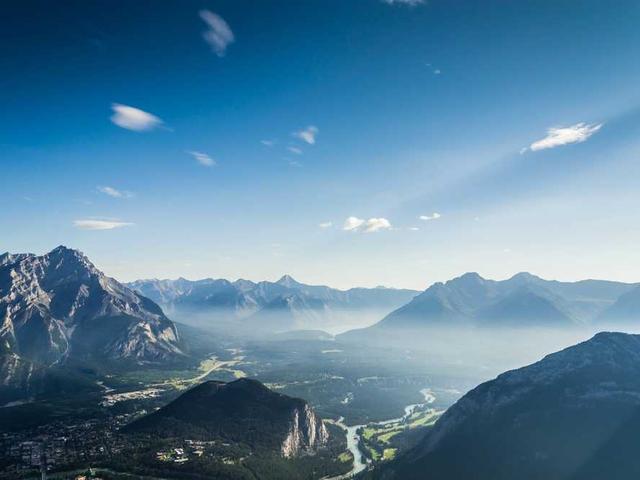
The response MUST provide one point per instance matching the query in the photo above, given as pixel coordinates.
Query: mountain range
(524, 300)
(575, 414)
(59, 308)
(274, 306)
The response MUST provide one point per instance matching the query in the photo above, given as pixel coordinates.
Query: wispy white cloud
(325, 224)
(133, 118)
(411, 3)
(219, 34)
(558, 136)
(355, 224)
(268, 143)
(296, 150)
(203, 159)
(352, 224)
(433, 216)
(92, 224)
(414, 229)
(294, 163)
(434, 70)
(115, 193)
(308, 134)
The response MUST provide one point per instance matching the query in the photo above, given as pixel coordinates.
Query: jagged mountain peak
(59, 305)
(524, 277)
(63, 249)
(469, 277)
(288, 281)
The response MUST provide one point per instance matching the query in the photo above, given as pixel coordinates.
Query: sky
(344, 142)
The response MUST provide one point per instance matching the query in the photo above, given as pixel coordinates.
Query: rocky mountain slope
(242, 411)
(58, 306)
(573, 415)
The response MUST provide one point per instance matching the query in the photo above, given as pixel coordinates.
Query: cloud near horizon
(355, 224)
(308, 134)
(325, 224)
(115, 193)
(219, 35)
(433, 216)
(203, 159)
(132, 118)
(91, 224)
(559, 136)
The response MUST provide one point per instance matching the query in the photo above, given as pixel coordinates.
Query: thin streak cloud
(355, 224)
(411, 3)
(132, 118)
(559, 136)
(115, 193)
(219, 35)
(203, 159)
(90, 224)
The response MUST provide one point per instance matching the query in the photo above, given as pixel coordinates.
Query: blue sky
(255, 138)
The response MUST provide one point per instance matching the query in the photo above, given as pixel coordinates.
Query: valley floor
(386, 398)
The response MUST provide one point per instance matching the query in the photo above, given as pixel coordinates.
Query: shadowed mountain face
(241, 411)
(625, 310)
(271, 306)
(573, 415)
(58, 307)
(521, 301)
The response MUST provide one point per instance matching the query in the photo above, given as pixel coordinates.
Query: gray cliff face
(58, 305)
(306, 434)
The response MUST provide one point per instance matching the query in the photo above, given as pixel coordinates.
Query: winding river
(360, 462)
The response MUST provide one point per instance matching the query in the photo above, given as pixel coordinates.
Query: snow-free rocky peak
(59, 306)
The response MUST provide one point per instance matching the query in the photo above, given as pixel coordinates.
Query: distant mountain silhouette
(524, 300)
(269, 306)
(625, 310)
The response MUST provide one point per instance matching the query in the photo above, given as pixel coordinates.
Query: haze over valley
(79, 345)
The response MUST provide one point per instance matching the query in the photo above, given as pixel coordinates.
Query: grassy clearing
(389, 453)
(424, 420)
(368, 432)
(386, 437)
(345, 457)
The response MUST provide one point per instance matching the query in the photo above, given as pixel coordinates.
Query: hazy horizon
(419, 288)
